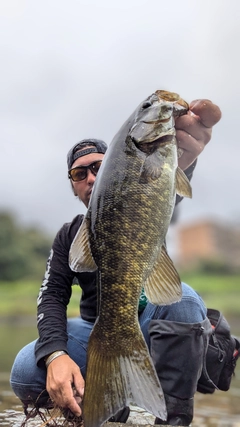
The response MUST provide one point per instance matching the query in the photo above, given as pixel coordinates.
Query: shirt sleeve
(54, 295)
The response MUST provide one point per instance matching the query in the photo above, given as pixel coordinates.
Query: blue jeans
(27, 379)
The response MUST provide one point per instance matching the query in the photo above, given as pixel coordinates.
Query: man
(176, 334)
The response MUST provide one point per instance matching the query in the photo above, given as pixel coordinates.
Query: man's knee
(27, 379)
(190, 309)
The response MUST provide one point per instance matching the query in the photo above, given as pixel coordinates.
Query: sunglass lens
(78, 174)
(95, 167)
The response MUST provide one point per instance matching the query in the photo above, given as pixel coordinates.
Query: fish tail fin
(116, 379)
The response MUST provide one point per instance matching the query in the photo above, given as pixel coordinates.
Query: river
(222, 409)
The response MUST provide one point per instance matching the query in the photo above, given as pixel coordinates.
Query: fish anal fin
(115, 379)
(80, 256)
(183, 186)
(163, 286)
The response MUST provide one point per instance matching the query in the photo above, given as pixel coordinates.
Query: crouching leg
(178, 350)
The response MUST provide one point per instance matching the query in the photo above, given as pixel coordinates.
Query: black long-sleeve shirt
(56, 291)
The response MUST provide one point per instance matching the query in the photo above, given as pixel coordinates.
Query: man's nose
(90, 177)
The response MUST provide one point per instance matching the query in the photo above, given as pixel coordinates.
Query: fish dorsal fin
(80, 256)
(183, 187)
(151, 169)
(163, 285)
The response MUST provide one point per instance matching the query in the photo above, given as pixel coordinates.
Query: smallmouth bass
(122, 238)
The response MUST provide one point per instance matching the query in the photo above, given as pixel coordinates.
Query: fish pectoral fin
(118, 377)
(163, 286)
(183, 186)
(80, 255)
(151, 168)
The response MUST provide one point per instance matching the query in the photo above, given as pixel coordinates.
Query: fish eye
(146, 104)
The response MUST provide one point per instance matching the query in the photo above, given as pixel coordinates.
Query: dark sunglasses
(80, 172)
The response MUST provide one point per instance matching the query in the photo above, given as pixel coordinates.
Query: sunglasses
(80, 172)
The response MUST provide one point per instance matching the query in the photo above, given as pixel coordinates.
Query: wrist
(53, 356)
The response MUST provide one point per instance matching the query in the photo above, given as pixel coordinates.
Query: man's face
(83, 189)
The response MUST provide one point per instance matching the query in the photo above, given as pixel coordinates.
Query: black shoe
(121, 416)
(160, 422)
(180, 412)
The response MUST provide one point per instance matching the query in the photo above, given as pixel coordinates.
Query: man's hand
(194, 130)
(65, 383)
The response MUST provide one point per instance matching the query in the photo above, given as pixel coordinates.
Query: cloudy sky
(72, 69)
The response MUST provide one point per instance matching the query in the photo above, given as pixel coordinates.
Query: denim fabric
(191, 309)
(28, 380)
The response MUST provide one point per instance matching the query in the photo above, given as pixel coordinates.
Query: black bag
(221, 357)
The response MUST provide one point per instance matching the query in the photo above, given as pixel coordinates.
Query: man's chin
(87, 200)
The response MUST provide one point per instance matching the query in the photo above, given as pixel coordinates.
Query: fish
(122, 238)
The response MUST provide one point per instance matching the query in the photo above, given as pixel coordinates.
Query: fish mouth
(154, 123)
(171, 97)
(157, 121)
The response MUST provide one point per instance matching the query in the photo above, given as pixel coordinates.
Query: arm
(54, 295)
(53, 299)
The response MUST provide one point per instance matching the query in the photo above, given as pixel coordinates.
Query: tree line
(23, 251)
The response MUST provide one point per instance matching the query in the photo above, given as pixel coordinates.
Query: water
(222, 409)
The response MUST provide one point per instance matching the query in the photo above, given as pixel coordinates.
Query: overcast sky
(74, 69)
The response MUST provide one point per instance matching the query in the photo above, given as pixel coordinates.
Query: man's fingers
(64, 398)
(79, 385)
(74, 407)
(190, 149)
(208, 112)
(194, 130)
(65, 383)
(191, 125)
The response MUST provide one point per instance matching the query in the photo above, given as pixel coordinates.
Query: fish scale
(122, 238)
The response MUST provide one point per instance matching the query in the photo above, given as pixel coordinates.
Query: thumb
(208, 113)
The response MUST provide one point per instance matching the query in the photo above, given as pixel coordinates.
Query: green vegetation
(23, 251)
(20, 299)
(23, 255)
(220, 292)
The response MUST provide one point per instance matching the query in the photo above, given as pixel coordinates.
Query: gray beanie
(97, 146)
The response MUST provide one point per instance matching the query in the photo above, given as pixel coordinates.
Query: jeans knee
(27, 379)
(190, 309)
